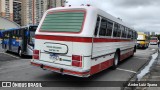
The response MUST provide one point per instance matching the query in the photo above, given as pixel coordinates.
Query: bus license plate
(54, 57)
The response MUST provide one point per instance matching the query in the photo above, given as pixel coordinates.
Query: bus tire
(115, 61)
(135, 48)
(132, 54)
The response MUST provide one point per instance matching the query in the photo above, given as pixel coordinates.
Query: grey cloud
(143, 15)
(134, 3)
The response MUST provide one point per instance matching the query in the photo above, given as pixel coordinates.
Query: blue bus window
(1, 35)
(27, 34)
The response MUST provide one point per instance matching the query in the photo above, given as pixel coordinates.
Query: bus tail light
(35, 51)
(36, 54)
(77, 60)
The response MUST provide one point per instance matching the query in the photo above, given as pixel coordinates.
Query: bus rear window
(153, 38)
(140, 37)
(63, 22)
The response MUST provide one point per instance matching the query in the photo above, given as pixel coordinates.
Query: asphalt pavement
(14, 68)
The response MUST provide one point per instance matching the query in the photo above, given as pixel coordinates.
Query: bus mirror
(27, 34)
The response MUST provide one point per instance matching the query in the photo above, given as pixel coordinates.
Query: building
(33, 10)
(11, 10)
(40, 7)
(153, 33)
(7, 24)
(27, 12)
(147, 33)
(43, 5)
(17, 11)
(55, 3)
(6, 9)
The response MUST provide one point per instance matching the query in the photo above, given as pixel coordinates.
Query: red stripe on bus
(79, 39)
(110, 40)
(64, 38)
(153, 40)
(94, 69)
(102, 66)
(108, 63)
(126, 55)
(64, 71)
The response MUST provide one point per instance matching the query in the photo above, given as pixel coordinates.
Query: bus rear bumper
(68, 70)
(140, 45)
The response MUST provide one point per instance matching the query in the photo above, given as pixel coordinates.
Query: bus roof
(154, 37)
(141, 33)
(2, 31)
(96, 10)
(12, 29)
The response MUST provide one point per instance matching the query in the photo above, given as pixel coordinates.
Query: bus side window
(118, 31)
(20, 32)
(135, 33)
(17, 33)
(11, 34)
(103, 28)
(129, 34)
(6, 34)
(115, 32)
(109, 28)
(132, 34)
(97, 26)
(123, 32)
(14, 34)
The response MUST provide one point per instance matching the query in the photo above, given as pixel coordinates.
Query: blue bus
(19, 40)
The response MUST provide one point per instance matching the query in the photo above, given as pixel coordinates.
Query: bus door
(10, 40)
(31, 38)
(15, 41)
(24, 40)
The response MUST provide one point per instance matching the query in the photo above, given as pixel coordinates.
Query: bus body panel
(29, 50)
(74, 48)
(17, 39)
(154, 40)
(87, 30)
(45, 55)
(94, 53)
(142, 40)
(103, 48)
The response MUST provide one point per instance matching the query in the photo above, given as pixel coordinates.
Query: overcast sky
(143, 15)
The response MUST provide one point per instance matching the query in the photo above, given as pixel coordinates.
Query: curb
(134, 78)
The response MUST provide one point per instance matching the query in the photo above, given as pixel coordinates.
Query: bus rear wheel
(116, 60)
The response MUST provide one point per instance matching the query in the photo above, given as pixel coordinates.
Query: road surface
(14, 68)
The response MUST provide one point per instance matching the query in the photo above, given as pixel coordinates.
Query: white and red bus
(154, 40)
(81, 41)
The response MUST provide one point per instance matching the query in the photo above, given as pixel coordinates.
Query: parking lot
(14, 68)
